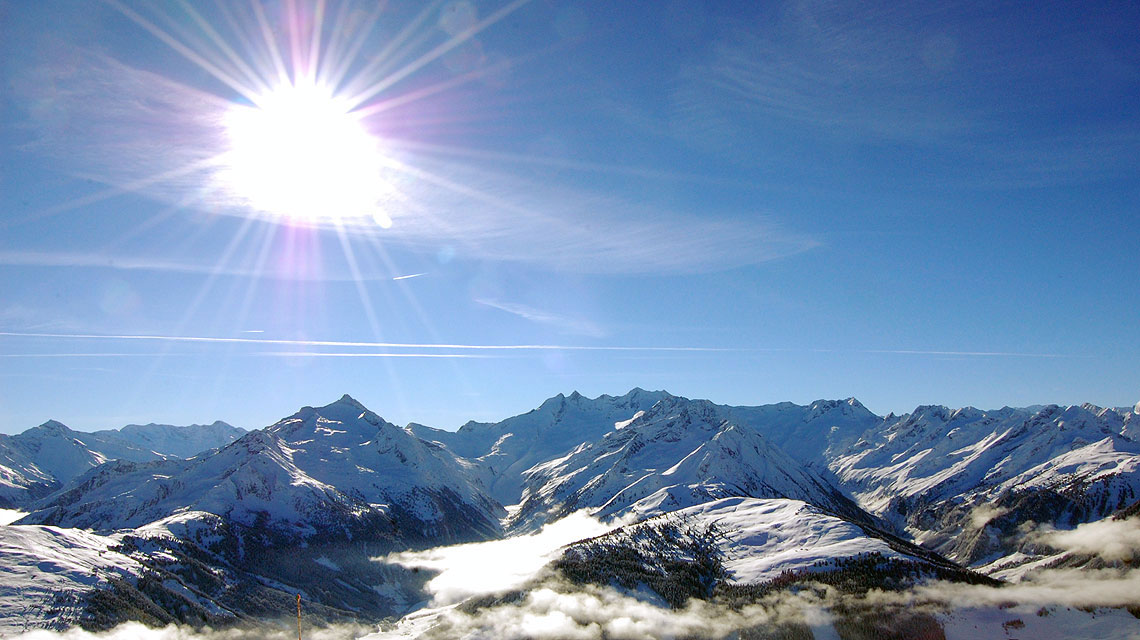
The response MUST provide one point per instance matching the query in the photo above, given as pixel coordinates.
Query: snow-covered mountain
(759, 539)
(677, 454)
(306, 504)
(172, 440)
(963, 481)
(44, 458)
(45, 571)
(504, 450)
(336, 471)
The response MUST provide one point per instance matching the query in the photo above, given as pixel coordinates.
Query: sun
(300, 153)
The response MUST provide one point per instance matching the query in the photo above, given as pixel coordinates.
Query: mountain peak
(345, 407)
(53, 426)
(347, 399)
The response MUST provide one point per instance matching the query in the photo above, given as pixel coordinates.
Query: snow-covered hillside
(948, 475)
(336, 471)
(677, 454)
(504, 450)
(47, 570)
(44, 458)
(758, 539)
(307, 503)
(180, 441)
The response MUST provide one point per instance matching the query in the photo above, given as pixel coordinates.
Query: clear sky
(455, 210)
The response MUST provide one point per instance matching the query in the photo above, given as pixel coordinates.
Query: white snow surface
(1050, 623)
(678, 454)
(504, 450)
(319, 468)
(763, 537)
(41, 563)
(8, 516)
(52, 454)
(940, 454)
(173, 440)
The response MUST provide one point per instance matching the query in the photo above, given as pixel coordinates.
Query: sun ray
(337, 32)
(270, 42)
(260, 261)
(256, 79)
(358, 281)
(185, 51)
(296, 41)
(341, 62)
(386, 56)
(410, 97)
(108, 193)
(441, 49)
(314, 58)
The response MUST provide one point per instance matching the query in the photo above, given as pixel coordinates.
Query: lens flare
(300, 153)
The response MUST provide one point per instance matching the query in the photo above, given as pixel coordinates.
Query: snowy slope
(43, 458)
(935, 469)
(505, 449)
(677, 454)
(508, 448)
(46, 570)
(760, 538)
(809, 433)
(172, 440)
(334, 471)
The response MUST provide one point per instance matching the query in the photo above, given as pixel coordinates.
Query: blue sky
(748, 202)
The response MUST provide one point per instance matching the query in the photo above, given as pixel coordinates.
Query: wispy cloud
(409, 276)
(972, 354)
(62, 259)
(267, 354)
(348, 354)
(149, 134)
(565, 324)
(891, 74)
(503, 347)
(849, 71)
(362, 344)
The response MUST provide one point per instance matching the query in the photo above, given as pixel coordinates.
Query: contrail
(375, 345)
(521, 347)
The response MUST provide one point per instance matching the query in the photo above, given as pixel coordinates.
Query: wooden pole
(298, 616)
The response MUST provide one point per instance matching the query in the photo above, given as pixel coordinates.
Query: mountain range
(44, 458)
(208, 525)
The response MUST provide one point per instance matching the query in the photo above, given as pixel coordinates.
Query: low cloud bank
(1112, 540)
(499, 565)
(552, 608)
(557, 610)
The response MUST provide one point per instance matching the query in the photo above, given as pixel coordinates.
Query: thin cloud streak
(516, 347)
(382, 345)
(560, 322)
(328, 354)
(93, 260)
(271, 354)
(409, 276)
(976, 354)
(484, 211)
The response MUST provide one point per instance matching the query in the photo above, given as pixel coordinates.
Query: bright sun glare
(300, 153)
